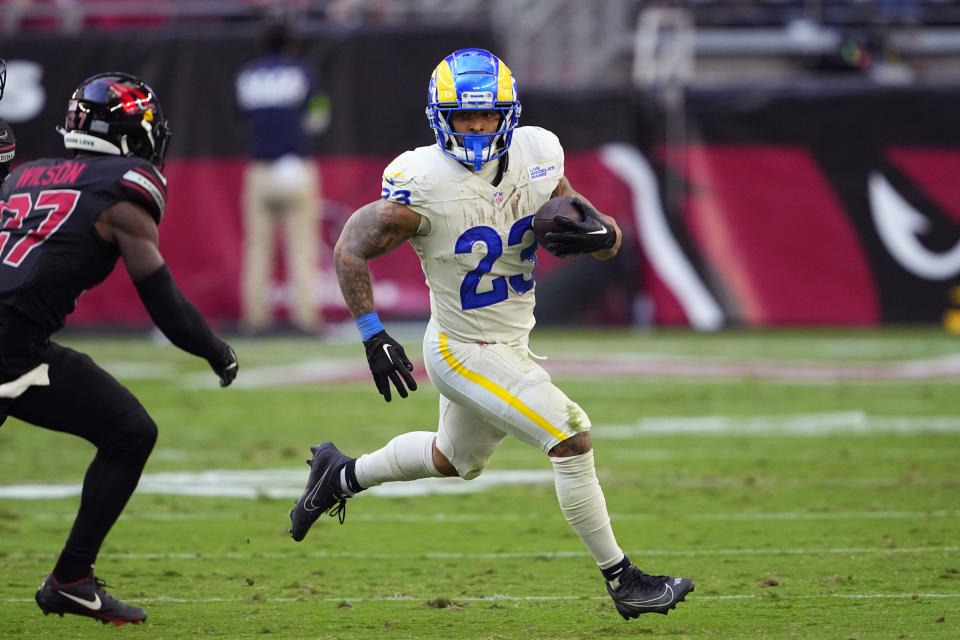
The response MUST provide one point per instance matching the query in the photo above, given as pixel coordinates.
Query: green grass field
(808, 481)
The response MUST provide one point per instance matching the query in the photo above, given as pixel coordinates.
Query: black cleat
(323, 493)
(86, 598)
(637, 593)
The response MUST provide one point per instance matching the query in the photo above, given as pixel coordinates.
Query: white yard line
(281, 483)
(288, 483)
(511, 598)
(803, 424)
(570, 365)
(461, 518)
(255, 488)
(841, 515)
(545, 554)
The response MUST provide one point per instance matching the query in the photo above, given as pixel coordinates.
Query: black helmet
(8, 148)
(116, 114)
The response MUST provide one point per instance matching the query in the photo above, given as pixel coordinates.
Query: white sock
(585, 508)
(409, 456)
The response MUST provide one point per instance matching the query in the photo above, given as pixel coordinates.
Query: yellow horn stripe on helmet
(504, 84)
(443, 76)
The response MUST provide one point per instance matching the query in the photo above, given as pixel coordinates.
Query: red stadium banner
(815, 205)
(201, 233)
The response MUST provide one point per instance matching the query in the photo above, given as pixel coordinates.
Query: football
(543, 219)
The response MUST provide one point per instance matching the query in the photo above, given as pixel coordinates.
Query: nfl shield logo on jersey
(498, 197)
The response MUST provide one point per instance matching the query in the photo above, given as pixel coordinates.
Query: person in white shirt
(466, 206)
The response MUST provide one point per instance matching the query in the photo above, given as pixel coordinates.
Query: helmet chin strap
(149, 129)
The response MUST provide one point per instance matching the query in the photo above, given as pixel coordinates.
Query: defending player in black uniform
(8, 145)
(63, 225)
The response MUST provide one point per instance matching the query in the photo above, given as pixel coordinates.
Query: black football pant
(86, 401)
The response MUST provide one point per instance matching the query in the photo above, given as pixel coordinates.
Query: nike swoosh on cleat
(386, 350)
(308, 499)
(93, 605)
(660, 600)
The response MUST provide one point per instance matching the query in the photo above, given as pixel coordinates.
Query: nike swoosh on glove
(578, 238)
(226, 366)
(389, 363)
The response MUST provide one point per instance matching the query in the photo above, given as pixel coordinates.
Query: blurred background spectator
(282, 102)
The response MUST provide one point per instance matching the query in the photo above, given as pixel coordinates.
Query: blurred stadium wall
(771, 163)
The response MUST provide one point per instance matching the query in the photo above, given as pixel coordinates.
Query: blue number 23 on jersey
(470, 298)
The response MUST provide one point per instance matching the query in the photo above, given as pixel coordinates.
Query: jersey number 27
(60, 202)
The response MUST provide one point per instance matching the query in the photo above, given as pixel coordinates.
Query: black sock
(72, 567)
(612, 573)
(107, 485)
(349, 472)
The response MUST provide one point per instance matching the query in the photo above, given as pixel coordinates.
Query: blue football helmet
(478, 80)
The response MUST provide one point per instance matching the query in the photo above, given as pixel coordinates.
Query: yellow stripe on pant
(497, 390)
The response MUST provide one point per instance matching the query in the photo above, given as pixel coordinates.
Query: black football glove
(225, 365)
(577, 238)
(389, 362)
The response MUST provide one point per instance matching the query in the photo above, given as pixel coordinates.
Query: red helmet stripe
(131, 99)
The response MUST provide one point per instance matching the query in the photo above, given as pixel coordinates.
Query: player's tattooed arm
(564, 188)
(372, 231)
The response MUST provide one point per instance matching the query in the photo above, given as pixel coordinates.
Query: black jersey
(50, 251)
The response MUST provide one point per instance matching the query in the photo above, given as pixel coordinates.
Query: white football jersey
(476, 242)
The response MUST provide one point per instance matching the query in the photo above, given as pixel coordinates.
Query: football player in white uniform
(466, 204)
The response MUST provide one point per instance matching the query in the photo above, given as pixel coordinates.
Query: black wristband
(179, 320)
